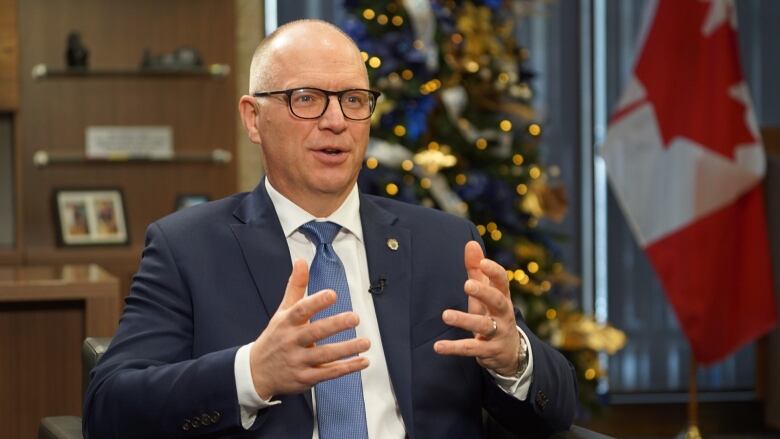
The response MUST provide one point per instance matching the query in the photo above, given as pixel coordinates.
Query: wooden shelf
(60, 255)
(213, 71)
(42, 158)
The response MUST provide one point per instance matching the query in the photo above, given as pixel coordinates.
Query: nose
(333, 119)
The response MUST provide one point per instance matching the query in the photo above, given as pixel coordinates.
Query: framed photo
(187, 200)
(90, 217)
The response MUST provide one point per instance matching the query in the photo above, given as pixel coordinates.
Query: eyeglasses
(311, 103)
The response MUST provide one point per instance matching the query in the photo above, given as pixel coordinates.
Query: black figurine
(76, 55)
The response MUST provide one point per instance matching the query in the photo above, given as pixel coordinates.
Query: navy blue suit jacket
(211, 277)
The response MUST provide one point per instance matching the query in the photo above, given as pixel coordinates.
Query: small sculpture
(183, 58)
(76, 55)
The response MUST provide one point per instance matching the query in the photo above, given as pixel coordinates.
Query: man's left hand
(494, 345)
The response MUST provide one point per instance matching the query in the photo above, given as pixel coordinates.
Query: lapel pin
(392, 244)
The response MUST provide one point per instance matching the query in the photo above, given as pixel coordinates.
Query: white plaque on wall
(126, 142)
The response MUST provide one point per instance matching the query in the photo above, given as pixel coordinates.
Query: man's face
(310, 160)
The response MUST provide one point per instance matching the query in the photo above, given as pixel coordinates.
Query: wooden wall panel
(55, 112)
(9, 56)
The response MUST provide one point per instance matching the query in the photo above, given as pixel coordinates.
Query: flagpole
(692, 431)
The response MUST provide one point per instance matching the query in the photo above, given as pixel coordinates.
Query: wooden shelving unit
(55, 106)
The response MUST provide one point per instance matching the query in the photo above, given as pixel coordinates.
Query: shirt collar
(291, 216)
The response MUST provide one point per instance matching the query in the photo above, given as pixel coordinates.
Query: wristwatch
(522, 357)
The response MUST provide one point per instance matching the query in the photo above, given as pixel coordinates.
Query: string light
(382, 19)
(503, 77)
(369, 14)
(398, 20)
(481, 143)
(491, 226)
(399, 130)
(364, 55)
(495, 235)
(590, 374)
(546, 285)
(457, 38)
(505, 125)
(510, 275)
(472, 66)
(374, 62)
(407, 74)
(461, 179)
(481, 229)
(407, 165)
(391, 189)
(521, 189)
(430, 86)
(524, 280)
(535, 172)
(517, 159)
(551, 314)
(372, 163)
(425, 183)
(533, 267)
(433, 146)
(534, 129)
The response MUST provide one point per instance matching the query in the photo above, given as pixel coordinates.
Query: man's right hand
(285, 360)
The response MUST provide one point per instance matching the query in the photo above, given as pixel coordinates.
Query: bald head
(268, 62)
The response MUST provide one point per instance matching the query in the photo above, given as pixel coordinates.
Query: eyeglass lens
(311, 103)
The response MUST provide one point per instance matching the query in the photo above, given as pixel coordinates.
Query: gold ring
(493, 330)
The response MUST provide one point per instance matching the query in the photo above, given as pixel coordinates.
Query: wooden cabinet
(45, 314)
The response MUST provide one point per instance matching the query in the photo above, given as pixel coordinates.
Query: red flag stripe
(717, 276)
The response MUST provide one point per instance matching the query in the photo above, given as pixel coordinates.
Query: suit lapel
(264, 247)
(392, 263)
(265, 250)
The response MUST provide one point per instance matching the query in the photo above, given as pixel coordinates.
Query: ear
(248, 108)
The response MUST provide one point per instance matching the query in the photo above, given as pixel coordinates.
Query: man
(219, 337)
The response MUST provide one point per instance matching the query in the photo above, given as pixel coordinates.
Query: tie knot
(320, 232)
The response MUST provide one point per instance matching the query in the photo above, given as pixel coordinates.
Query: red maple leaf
(687, 77)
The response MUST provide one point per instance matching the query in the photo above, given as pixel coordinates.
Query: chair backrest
(91, 351)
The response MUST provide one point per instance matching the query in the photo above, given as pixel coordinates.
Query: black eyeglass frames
(311, 103)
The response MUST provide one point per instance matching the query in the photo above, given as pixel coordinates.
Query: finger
(496, 274)
(330, 352)
(477, 324)
(326, 327)
(490, 297)
(472, 255)
(467, 347)
(335, 369)
(304, 309)
(296, 284)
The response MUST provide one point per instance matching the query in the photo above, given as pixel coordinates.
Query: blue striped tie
(341, 411)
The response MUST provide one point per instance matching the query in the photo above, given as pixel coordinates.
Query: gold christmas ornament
(433, 160)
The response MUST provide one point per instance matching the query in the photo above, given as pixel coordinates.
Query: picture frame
(187, 200)
(87, 217)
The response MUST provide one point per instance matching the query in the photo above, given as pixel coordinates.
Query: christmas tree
(455, 130)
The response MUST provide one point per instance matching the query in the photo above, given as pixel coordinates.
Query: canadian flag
(685, 161)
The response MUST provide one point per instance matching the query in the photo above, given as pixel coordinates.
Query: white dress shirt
(383, 416)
